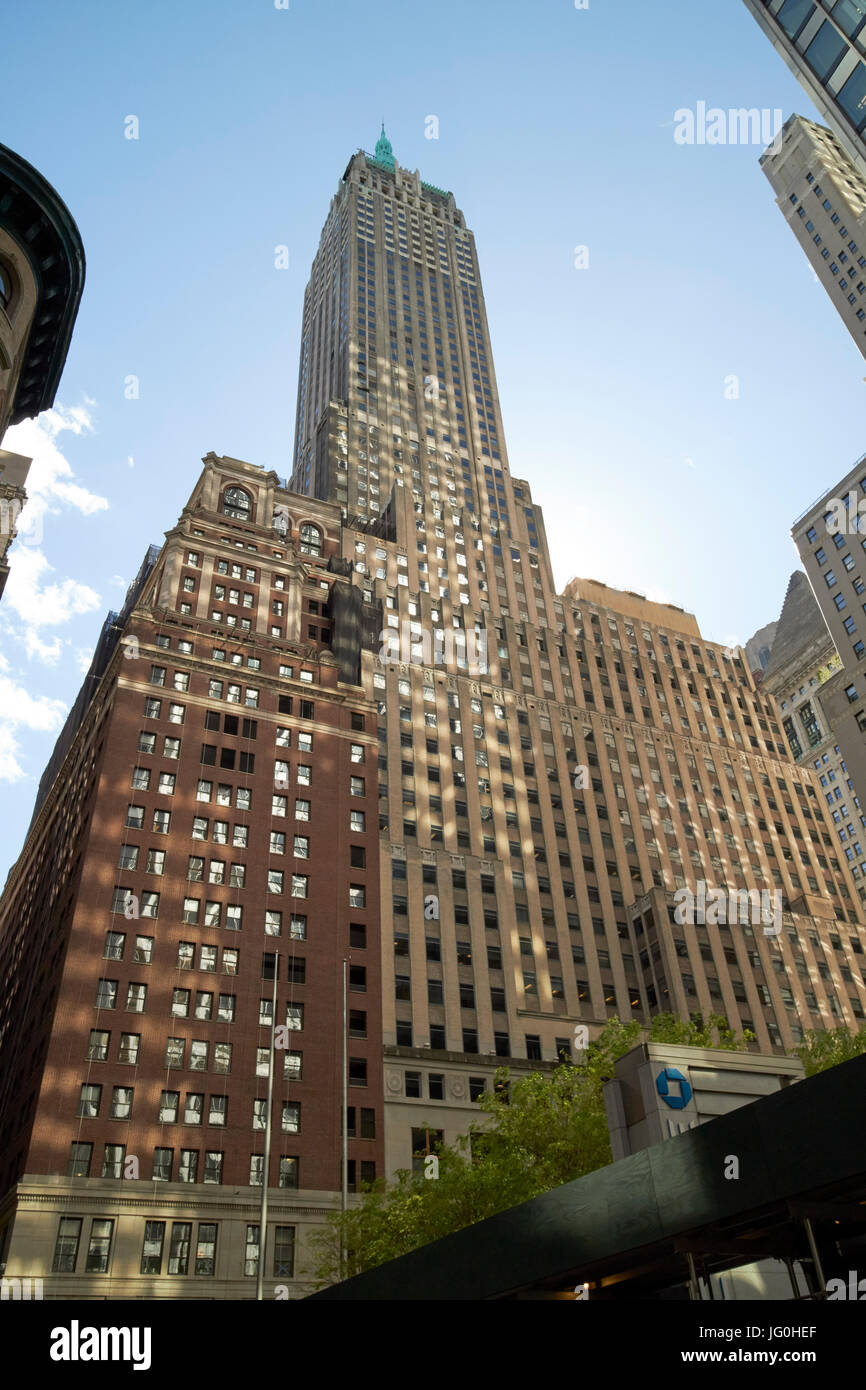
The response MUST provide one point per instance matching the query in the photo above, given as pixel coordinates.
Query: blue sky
(555, 131)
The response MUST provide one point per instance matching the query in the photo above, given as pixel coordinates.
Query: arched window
(311, 540)
(237, 503)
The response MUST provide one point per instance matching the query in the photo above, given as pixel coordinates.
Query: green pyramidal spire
(384, 152)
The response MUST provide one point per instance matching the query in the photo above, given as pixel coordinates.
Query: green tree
(539, 1130)
(818, 1051)
(714, 1031)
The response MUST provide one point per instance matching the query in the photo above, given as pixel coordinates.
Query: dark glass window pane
(849, 15)
(793, 15)
(852, 97)
(824, 51)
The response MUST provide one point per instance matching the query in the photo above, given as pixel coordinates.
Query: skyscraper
(549, 770)
(829, 538)
(513, 838)
(823, 198)
(824, 44)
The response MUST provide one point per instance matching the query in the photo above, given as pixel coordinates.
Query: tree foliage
(818, 1051)
(538, 1130)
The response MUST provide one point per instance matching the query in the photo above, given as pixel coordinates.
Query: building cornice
(34, 214)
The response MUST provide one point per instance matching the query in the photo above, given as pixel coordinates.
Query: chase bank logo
(679, 1097)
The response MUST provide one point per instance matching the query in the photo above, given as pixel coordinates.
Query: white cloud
(49, 651)
(10, 768)
(34, 592)
(51, 480)
(19, 709)
(41, 604)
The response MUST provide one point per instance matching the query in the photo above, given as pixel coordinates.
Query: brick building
(209, 818)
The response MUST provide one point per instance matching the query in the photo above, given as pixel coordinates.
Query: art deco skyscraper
(824, 44)
(604, 752)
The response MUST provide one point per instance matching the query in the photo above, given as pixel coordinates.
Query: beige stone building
(828, 537)
(822, 195)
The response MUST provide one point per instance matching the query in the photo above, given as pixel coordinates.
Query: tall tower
(824, 44)
(598, 757)
(822, 197)
(395, 331)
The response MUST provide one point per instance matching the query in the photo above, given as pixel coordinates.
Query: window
(188, 1171)
(130, 1045)
(163, 1162)
(142, 953)
(311, 540)
(99, 1249)
(236, 503)
(97, 1049)
(288, 1172)
(106, 994)
(293, 1066)
(136, 994)
(217, 1110)
(155, 862)
(205, 1253)
(284, 1251)
(114, 944)
(169, 1103)
(88, 1102)
(251, 1252)
(112, 1162)
(121, 1102)
(68, 1240)
(181, 1235)
(78, 1165)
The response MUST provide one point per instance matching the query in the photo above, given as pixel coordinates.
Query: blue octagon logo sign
(673, 1088)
